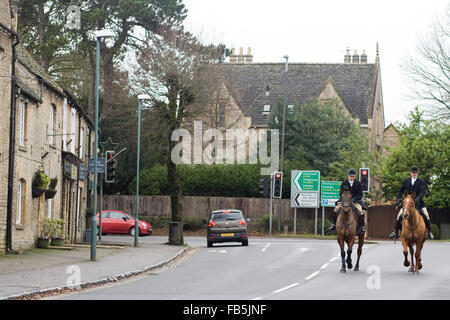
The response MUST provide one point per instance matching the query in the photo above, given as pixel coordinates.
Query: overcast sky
(320, 31)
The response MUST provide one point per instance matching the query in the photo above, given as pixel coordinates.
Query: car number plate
(227, 234)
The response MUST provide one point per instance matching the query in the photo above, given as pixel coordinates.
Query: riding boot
(428, 225)
(361, 224)
(335, 216)
(397, 227)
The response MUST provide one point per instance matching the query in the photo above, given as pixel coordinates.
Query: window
(72, 132)
(266, 109)
(22, 123)
(51, 126)
(64, 137)
(49, 208)
(20, 202)
(116, 215)
(221, 115)
(80, 147)
(291, 107)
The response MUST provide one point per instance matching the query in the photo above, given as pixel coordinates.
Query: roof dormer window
(266, 109)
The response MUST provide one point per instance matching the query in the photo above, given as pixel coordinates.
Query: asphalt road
(288, 269)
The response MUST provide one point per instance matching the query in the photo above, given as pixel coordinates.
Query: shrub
(157, 222)
(193, 224)
(435, 231)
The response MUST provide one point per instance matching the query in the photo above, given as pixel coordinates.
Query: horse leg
(411, 250)
(360, 245)
(349, 253)
(419, 247)
(341, 244)
(405, 253)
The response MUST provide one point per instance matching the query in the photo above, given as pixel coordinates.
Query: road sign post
(305, 191)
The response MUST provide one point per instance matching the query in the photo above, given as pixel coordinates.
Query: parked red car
(115, 221)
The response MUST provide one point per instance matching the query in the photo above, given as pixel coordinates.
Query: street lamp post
(141, 98)
(99, 35)
(282, 133)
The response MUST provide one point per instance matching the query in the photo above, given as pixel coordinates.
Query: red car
(115, 221)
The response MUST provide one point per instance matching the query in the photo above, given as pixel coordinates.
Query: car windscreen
(226, 216)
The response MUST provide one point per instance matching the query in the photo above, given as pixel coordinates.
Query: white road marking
(312, 275)
(264, 249)
(333, 259)
(286, 288)
(324, 266)
(222, 251)
(259, 298)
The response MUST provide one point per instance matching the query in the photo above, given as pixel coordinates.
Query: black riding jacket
(419, 187)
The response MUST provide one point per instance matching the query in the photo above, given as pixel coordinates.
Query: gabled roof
(355, 84)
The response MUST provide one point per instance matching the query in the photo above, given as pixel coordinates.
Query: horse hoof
(420, 267)
(356, 269)
(411, 270)
(343, 270)
(349, 266)
(406, 264)
(416, 272)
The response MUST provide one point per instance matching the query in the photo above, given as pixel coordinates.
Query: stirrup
(362, 230)
(332, 227)
(393, 235)
(430, 235)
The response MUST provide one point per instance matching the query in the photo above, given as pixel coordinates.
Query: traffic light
(364, 177)
(110, 166)
(277, 183)
(264, 187)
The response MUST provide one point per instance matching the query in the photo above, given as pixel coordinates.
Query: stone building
(251, 91)
(51, 136)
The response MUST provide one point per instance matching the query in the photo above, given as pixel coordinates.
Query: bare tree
(430, 70)
(181, 75)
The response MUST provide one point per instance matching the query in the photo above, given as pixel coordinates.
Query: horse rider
(356, 190)
(418, 186)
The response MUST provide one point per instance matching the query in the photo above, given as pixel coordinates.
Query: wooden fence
(380, 218)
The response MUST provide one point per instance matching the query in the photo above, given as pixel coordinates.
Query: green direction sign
(307, 181)
(305, 189)
(330, 193)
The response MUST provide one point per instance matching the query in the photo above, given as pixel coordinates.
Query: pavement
(39, 273)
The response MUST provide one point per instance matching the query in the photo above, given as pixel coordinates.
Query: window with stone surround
(51, 125)
(22, 123)
(21, 201)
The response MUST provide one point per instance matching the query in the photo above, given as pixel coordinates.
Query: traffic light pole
(270, 217)
(100, 210)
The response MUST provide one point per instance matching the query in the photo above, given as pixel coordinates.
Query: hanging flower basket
(49, 194)
(36, 192)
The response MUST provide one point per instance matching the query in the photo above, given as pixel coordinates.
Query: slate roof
(27, 60)
(355, 84)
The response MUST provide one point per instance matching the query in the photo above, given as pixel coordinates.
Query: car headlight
(144, 225)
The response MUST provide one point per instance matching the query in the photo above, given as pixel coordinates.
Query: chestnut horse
(413, 232)
(347, 229)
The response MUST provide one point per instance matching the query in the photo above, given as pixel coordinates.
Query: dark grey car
(227, 226)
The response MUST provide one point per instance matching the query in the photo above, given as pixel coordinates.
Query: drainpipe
(12, 140)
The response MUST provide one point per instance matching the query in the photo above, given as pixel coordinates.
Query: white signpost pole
(295, 221)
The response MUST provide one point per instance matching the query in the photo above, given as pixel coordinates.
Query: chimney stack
(15, 13)
(232, 56)
(347, 57)
(241, 55)
(355, 57)
(249, 56)
(364, 57)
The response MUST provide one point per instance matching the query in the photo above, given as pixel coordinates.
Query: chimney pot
(364, 57)
(355, 57)
(347, 56)
(241, 55)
